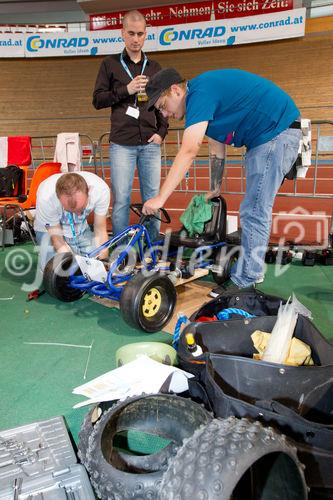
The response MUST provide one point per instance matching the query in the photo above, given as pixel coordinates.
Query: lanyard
(72, 225)
(75, 235)
(126, 68)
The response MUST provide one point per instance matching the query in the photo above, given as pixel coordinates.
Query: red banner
(193, 12)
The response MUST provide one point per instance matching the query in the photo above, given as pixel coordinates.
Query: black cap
(160, 82)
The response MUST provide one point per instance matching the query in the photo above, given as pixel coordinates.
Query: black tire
(148, 302)
(235, 459)
(89, 421)
(56, 275)
(146, 463)
(160, 415)
(224, 259)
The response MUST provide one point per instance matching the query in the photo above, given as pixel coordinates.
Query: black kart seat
(182, 239)
(214, 229)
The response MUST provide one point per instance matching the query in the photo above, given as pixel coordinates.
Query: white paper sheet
(141, 375)
(92, 268)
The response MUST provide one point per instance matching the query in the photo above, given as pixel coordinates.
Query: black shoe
(229, 286)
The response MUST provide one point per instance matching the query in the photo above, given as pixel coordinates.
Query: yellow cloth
(299, 352)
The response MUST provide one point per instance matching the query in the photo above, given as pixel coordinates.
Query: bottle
(142, 96)
(192, 346)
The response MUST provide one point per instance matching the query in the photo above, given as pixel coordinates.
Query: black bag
(233, 338)
(10, 178)
(207, 333)
(252, 301)
(21, 229)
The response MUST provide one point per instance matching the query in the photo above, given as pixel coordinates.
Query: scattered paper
(141, 375)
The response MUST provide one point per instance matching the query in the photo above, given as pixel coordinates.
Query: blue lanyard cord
(75, 235)
(72, 226)
(126, 68)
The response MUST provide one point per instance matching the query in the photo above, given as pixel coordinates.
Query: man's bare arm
(192, 140)
(100, 234)
(57, 239)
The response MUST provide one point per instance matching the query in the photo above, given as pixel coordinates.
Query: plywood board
(190, 296)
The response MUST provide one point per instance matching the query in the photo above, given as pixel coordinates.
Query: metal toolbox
(37, 462)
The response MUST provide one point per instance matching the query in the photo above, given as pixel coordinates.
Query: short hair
(182, 84)
(133, 15)
(69, 184)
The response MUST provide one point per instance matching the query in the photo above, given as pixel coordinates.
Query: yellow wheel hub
(151, 303)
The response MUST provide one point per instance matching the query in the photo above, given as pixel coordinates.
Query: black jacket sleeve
(107, 92)
(162, 124)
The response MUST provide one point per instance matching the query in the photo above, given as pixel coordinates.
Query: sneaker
(229, 286)
(215, 292)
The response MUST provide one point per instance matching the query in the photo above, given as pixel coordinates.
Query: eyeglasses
(162, 105)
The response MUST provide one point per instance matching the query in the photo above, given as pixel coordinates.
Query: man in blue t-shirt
(231, 106)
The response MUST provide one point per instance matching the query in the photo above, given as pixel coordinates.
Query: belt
(295, 124)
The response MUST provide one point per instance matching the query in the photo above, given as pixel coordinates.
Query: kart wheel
(148, 302)
(158, 424)
(235, 459)
(224, 259)
(56, 277)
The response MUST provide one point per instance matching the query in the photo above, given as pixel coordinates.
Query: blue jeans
(266, 165)
(147, 158)
(83, 244)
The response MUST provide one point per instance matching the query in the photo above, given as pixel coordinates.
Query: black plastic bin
(296, 400)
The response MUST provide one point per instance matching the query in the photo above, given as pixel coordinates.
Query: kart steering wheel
(164, 216)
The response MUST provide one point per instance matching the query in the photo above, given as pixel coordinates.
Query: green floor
(37, 381)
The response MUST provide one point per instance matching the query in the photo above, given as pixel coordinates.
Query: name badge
(134, 112)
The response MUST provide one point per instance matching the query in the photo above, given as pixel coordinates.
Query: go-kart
(140, 275)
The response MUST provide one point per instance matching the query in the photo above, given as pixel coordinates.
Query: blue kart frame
(145, 289)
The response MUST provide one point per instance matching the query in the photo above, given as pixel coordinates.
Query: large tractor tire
(87, 426)
(148, 463)
(160, 418)
(234, 459)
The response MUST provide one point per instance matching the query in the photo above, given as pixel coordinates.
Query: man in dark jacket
(136, 133)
